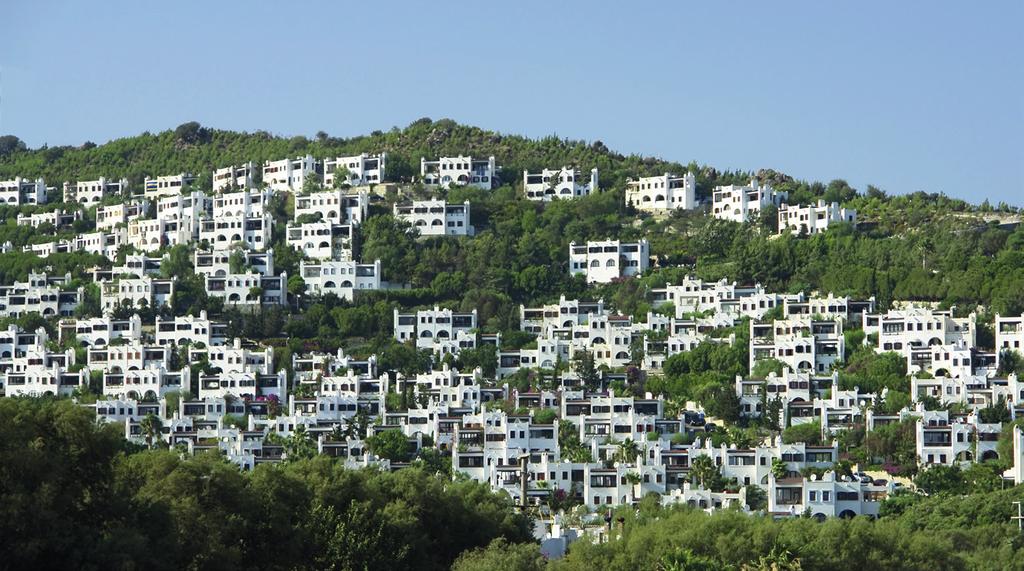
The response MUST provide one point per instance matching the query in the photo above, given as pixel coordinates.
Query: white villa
(19, 191)
(436, 217)
(459, 171)
(289, 174)
(240, 177)
(813, 219)
(361, 170)
(607, 260)
(90, 192)
(564, 183)
(662, 193)
(167, 185)
(741, 203)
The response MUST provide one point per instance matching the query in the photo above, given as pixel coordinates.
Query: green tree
(627, 452)
(500, 555)
(151, 426)
(807, 432)
(584, 367)
(391, 445)
(940, 479)
(704, 473)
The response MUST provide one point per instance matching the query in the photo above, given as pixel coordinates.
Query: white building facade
(813, 219)
(562, 184)
(662, 193)
(459, 171)
(607, 260)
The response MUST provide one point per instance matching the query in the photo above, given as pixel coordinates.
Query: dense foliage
(926, 533)
(76, 495)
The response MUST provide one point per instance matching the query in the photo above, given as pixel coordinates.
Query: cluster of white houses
(653, 194)
(625, 446)
(738, 203)
(628, 446)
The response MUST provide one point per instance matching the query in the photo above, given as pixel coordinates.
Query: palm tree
(703, 471)
(151, 426)
(299, 445)
(627, 452)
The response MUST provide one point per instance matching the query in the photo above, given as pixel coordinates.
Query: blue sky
(903, 95)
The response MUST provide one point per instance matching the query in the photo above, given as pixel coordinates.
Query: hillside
(919, 246)
(304, 511)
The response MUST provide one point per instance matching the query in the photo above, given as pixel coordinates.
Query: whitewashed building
(243, 203)
(40, 294)
(694, 295)
(900, 329)
(662, 193)
(100, 331)
(741, 203)
(360, 170)
(324, 240)
(241, 177)
(801, 343)
(108, 217)
(250, 289)
(828, 496)
(56, 218)
(1016, 471)
(189, 329)
(150, 383)
(16, 342)
(1009, 335)
(958, 440)
(954, 360)
(218, 262)
(150, 235)
(167, 185)
(138, 292)
(91, 192)
(340, 277)
(182, 213)
(436, 217)
(563, 184)
(289, 174)
(828, 307)
(566, 314)
(19, 191)
(103, 243)
(813, 219)
(41, 373)
(225, 232)
(338, 206)
(438, 329)
(459, 171)
(238, 357)
(607, 260)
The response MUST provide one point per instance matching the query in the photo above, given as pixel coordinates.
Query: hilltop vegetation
(918, 246)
